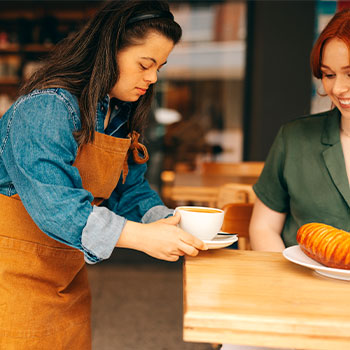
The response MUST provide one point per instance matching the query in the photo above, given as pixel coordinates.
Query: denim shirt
(37, 150)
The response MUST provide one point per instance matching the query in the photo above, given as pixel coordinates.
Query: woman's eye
(143, 67)
(328, 75)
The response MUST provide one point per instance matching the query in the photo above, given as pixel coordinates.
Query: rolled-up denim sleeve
(38, 153)
(101, 234)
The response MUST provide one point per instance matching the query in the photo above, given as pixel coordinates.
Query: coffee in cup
(202, 222)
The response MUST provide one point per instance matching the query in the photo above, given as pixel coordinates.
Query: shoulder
(52, 105)
(45, 119)
(308, 125)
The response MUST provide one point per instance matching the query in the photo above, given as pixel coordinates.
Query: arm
(265, 228)
(38, 152)
(146, 228)
(272, 203)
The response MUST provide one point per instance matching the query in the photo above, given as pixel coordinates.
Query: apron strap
(139, 152)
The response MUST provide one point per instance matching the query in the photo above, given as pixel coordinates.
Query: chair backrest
(237, 169)
(236, 220)
(167, 177)
(235, 193)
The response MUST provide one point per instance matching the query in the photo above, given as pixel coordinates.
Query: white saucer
(295, 255)
(220, 241)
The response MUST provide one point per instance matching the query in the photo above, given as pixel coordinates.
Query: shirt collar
(120, 114)
(331, 134)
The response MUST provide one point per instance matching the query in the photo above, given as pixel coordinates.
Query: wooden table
(260, 298)
(195, 187)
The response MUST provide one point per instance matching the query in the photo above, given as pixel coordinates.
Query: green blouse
(305, 176)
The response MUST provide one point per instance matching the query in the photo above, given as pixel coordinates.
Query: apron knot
(138, 150)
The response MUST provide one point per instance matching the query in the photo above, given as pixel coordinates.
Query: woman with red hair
(307, 172)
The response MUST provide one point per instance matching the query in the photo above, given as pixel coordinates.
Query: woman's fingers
(188, 249)
(192, 240)
(171, 258)
(185, 236)
(161, 239)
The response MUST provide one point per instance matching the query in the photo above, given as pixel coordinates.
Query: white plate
(220, 241)
(295, 255)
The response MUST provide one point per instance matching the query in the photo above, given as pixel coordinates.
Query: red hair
(338, 27)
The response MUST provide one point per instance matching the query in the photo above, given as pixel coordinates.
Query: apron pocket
(44, 289)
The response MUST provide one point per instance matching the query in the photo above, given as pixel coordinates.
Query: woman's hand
(161, 239)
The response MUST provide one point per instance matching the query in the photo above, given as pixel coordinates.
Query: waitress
(72, 171)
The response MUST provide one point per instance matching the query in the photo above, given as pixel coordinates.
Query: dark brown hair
(85, 64)
(338, 27)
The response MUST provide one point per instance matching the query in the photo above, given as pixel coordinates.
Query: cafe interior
(240, 71)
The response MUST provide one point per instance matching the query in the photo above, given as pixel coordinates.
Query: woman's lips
(344, 103)
(141, 91)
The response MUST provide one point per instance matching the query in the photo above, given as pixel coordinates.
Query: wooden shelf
(9, 81)
(19, 16)
(9, 48)
(29, 48)
(72, 10)
(37, 48)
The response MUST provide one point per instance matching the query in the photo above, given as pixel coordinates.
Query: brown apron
(44, 292)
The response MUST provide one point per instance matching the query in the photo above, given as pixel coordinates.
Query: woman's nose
(151, 76)
(341, 85)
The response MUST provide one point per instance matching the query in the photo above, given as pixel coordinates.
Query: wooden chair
(236, 220)
(252, 169)
(202, 196)
(235, 193)
(167, 178)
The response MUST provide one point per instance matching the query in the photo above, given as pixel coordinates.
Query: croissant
(326, 244)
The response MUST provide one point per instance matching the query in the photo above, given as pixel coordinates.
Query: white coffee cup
(202, 222)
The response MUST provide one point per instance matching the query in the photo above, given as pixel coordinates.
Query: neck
(345, 127)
